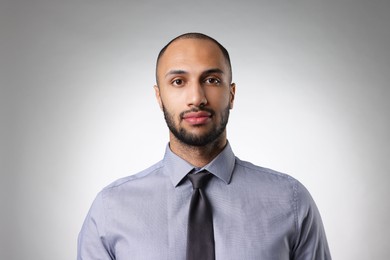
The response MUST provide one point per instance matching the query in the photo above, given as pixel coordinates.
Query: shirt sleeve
(92, 241)
(311, 242)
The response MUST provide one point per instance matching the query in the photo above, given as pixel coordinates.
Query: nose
(196, 95)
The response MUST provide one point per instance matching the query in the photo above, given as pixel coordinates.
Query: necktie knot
(199, 180)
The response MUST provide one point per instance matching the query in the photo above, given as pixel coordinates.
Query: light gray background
(78, 108)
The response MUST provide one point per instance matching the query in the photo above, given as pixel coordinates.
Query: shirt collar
(221, 166)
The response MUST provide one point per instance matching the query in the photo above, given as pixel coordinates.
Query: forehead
(190, 54)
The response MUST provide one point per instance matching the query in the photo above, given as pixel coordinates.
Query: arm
(311, 242)
(92, 242)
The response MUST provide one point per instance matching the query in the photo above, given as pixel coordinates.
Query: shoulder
(135, 177)
(127, 191)
(272, 182)
(250, 170)
(142, 179)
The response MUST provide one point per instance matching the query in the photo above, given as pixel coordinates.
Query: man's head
(194, 88)
(200, 36)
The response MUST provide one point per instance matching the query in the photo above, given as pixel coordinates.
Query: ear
(232, 94)
(158, 96)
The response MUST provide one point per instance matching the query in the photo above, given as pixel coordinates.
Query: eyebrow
(180, 72)
(175, 72)
(214, 70)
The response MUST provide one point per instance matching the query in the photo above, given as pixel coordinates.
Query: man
(249, 212)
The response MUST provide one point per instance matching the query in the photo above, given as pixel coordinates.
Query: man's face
(194, 90)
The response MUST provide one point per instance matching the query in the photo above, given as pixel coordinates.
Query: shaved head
(199, 36)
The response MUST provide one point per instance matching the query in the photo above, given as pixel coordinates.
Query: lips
(197, 118)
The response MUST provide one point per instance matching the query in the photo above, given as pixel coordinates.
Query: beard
(191, 139)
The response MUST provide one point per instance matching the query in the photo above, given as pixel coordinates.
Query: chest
(245, 227)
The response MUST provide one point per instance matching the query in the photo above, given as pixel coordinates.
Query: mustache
(205, 109)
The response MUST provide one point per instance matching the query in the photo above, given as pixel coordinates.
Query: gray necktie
(200, 237)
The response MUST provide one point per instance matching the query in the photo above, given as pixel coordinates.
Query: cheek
(171, 102)
(220, 99)
(167, 98)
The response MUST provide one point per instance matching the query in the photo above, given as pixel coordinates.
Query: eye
(212, 81)
(177, 82)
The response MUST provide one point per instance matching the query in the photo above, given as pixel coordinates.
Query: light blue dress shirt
(258, 214)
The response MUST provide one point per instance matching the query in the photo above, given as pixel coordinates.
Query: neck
(198, 156)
